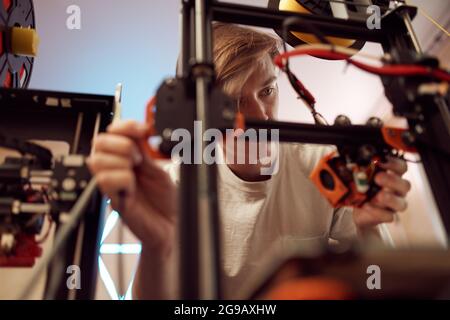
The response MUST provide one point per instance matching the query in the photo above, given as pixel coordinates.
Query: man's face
(259, 95)
(258, 99)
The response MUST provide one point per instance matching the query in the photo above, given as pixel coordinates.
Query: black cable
(401, 155)
(294, 81)
(413, 161)
(311, 29)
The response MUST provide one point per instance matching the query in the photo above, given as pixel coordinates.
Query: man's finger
(111, 182)
(107, 161)
(394, 182)
(129, 128)
(388, 200)
(119, 145)
(370, 215)
(396, 165)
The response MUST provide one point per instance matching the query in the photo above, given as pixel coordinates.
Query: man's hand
(149, 209)
(389, 200)
(120, 165)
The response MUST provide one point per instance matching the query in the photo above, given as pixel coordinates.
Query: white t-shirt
(261, 218)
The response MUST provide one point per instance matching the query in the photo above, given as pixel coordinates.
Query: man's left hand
(389, 200)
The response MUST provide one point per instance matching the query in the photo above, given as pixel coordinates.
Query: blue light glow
(129, 248)
(115, 248)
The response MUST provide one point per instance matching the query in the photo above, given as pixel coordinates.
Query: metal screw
(342, 120)
(419, 129)
(410, 96)
(408, 138)
(167, 133)
(69, 184)
(375, 122)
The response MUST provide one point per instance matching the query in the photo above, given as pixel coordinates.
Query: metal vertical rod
(76, 138)
(411, 32)
(203, 212)
(434, 126)
(212, 258)
(188, 232)
(185, 40)
(203, 243)
(198, 259)
(436, 166)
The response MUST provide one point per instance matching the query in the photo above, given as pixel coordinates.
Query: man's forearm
(156, 276)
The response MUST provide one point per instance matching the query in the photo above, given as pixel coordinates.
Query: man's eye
(267, 92)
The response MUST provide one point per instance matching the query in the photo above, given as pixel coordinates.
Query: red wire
(386, 70)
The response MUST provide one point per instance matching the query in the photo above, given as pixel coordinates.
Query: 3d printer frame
(74, 119)
(428, 118)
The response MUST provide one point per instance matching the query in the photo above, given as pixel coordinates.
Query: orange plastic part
(335, 195)
(150, 120)
(239, 121)
(394, 138)
(313, 288)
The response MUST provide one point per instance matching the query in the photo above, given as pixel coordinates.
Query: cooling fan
(18, 42)
(350, 9)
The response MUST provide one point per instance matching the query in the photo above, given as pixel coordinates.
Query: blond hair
(237, 52)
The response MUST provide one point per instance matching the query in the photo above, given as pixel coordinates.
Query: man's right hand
(149, 206)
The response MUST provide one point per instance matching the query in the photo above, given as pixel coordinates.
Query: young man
(258, 213)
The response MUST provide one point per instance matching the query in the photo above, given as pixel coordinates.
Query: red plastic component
(7, 4)
(149, 119)
(8, 80)
(25, 254)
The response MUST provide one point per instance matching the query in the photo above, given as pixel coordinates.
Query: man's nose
(254, 109)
